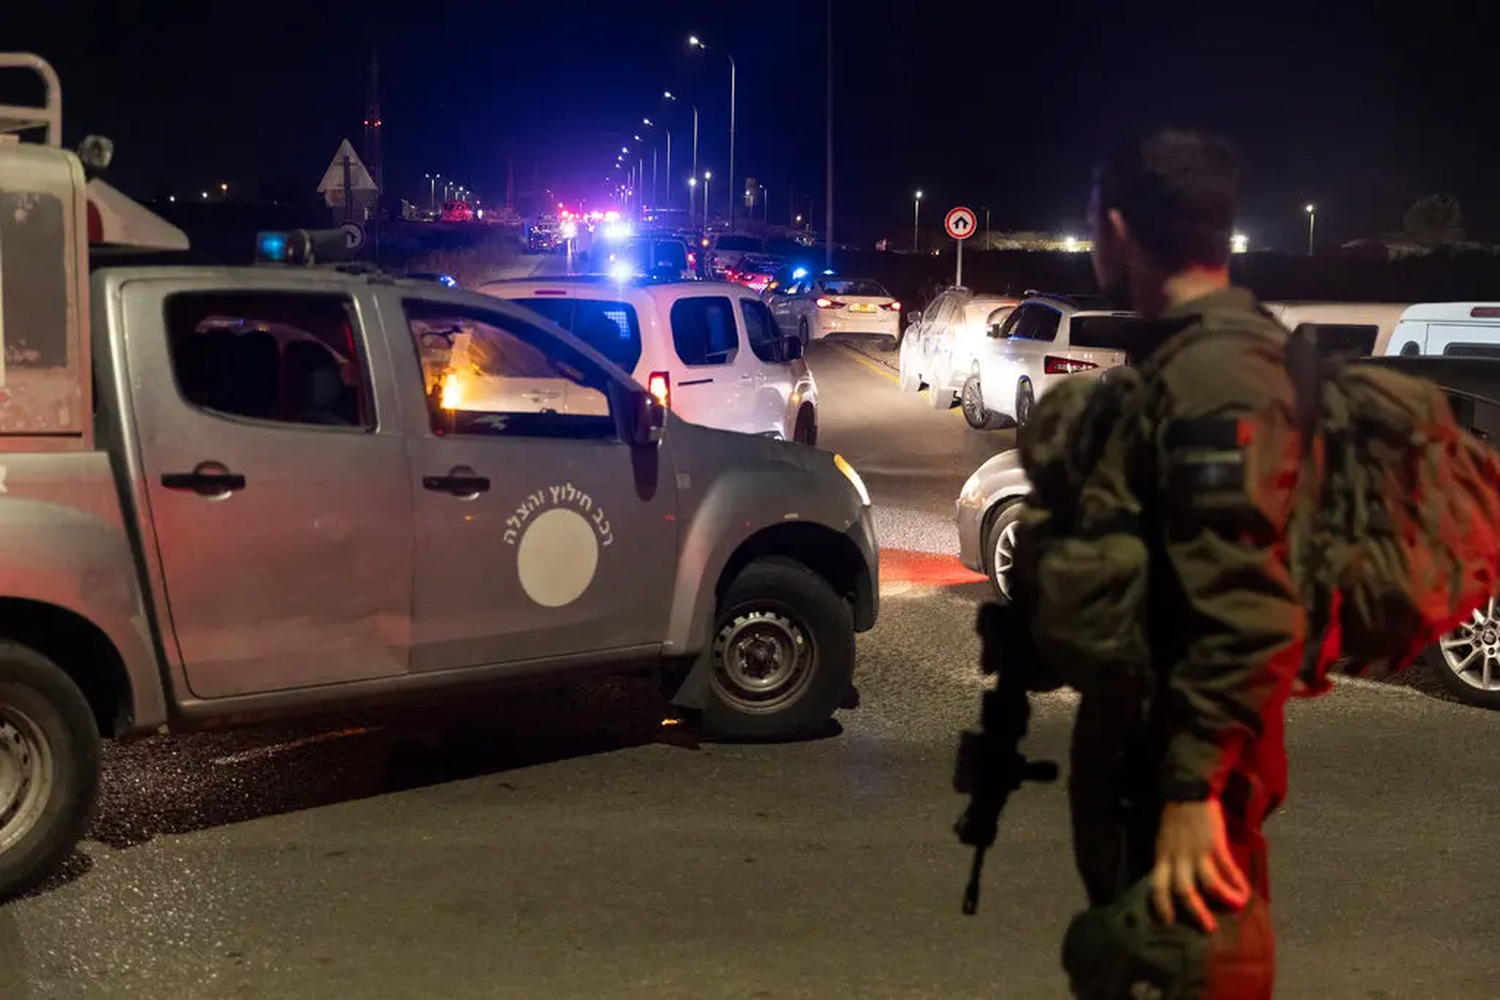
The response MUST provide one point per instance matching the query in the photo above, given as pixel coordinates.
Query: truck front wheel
(782, 654)
(49, 767)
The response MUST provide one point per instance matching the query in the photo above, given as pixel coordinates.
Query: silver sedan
(988, 510)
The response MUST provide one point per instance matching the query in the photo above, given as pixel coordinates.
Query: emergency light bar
(303, 247)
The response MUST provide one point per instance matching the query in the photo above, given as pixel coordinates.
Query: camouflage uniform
(1212, 454)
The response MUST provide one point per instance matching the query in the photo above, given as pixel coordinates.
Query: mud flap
(692, 693)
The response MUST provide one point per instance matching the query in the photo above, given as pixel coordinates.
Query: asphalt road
(576, 847)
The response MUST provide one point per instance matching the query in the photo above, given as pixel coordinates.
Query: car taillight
(894, 307)
(660, 386)
(1053, 365)
(1485, 312)
(828, 304)
(692, 259)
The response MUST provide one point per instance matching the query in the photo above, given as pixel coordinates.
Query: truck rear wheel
(49, 767)
(782, 654)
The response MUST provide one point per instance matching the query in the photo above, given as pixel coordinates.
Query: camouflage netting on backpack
(1081, 565)
(1402, 543)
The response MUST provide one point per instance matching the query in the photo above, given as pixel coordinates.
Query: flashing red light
(1053, 365)
(823, 303)
(660, 386)
(1485, 312)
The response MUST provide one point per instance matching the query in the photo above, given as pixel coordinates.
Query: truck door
(276, 486)
(540, 531)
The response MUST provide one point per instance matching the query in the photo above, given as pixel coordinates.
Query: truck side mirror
(650, 420)
(791, 348)
(995, 330)
(914, 317)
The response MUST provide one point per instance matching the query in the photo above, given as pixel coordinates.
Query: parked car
(1466, 662)
(1359, 329)
(830, 307)
(1463, 329)
(755, 271)
(941, 342)
(237, 493)
(647, 256)
(723, 252)
(712, 352)
(1044, 339)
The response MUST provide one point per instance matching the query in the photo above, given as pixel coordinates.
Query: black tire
(806, 431)
(768, 596)
(1025, 400)
(1005, 514)
(802, 332)
(971, 399)
(1466, 691)
(43, 704)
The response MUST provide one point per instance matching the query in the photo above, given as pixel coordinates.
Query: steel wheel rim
(1472, 651)
(762, 661)
(25, 775)
(1004, 559)
(973, 402)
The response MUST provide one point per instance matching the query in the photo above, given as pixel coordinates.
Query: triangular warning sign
(359, 177)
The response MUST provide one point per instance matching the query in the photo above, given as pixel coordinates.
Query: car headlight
(853, 477)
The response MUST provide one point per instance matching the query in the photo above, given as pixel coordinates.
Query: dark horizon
(1359, 111)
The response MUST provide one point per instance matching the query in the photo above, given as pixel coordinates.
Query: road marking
(878, 369)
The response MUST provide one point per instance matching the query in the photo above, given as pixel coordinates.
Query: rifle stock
(990, 763)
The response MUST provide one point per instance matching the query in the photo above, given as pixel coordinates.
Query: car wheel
(802, 331)
(1000, 547)
(971, 398)
(49, 767)
(806, 431)
(939, 399)
(1467, 660)
(1025, 400)
(782, 654)
(909, 380)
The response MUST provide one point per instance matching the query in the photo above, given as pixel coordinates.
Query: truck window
(703, 331)
(486, 373)
(611, 328)
(289, 357)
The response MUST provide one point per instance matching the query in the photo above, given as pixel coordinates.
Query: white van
(711, 352)
(1360, 328)
(1461, 329)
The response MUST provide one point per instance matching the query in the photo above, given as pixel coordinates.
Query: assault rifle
(990, 764)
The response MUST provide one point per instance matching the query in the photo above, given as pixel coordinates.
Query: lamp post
(668, 132)
(692, 201)
(667, 96)
(432, 180)
(708, 176)
(696, 43)
(916, 222)
(1312, 218)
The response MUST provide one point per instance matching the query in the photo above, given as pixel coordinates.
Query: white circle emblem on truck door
(557, 557)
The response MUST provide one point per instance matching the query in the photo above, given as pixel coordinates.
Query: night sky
(1359, 108)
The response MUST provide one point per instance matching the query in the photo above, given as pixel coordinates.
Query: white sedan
(824, 307)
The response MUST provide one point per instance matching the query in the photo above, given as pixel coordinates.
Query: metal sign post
(959, 224)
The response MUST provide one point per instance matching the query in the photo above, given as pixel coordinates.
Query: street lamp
(916, 221)
(692, 203)
(708, 176)
(1312, 218)
(694, 42)
(432, 180)
(668, 133)
(667, 96)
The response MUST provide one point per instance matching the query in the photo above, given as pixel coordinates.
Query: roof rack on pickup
(17, 118)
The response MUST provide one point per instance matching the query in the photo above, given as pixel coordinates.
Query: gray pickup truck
(234, 494)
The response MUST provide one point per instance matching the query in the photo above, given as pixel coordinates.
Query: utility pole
(828, 222)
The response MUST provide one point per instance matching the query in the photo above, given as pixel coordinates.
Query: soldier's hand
(1192, 853)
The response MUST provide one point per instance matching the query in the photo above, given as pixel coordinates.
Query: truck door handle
(459, 484)
(204, 483)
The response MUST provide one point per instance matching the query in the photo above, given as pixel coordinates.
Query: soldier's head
(1163, 205)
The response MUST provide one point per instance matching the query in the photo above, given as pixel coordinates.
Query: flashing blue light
(801, 272)
(448, 280)
(621, 271)
(829, 271)
(272, 246)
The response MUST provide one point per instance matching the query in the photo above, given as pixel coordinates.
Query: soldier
(1168, 802)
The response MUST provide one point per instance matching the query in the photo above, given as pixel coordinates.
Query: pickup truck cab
(234, 494)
